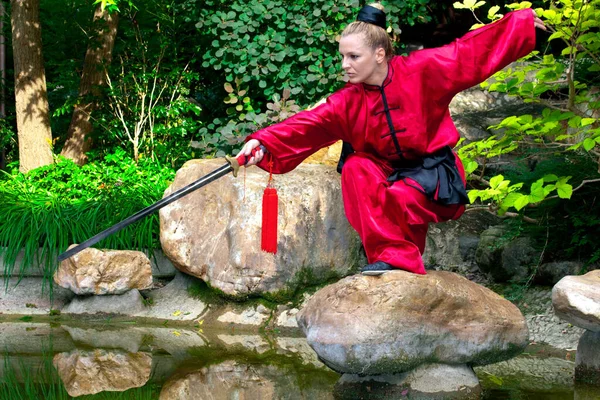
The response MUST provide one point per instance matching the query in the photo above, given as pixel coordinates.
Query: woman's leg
(390, 218)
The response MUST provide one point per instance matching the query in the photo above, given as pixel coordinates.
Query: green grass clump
(52, 207)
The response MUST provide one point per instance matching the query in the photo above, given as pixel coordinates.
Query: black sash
(438, 168)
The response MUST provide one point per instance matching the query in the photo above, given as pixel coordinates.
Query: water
(102, 360)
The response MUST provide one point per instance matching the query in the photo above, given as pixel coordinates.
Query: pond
(126, 360)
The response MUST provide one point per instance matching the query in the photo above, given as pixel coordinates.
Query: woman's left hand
(537, 22)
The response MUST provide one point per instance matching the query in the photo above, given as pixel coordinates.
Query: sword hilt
(243, 159)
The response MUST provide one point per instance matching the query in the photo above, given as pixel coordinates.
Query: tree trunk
(33, 117)
(97, 58)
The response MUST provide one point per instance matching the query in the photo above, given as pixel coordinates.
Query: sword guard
(242, 159)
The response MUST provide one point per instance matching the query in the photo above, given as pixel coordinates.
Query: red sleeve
(476, 56)
(291, 141)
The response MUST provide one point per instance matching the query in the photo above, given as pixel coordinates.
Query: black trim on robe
(346, 151)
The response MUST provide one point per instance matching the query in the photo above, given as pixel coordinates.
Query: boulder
(214, 233)
(576, 299)
(99, 272)
(398, 321)
(503, 258)
(451, 245)
(552, 272)
(84, 372)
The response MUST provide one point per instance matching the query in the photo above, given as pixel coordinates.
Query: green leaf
(521, 202)
(496, 180)
(473, 195)
(587, 121)
(564, 190)
(589, 144)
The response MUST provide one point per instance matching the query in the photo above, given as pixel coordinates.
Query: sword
(233, 165)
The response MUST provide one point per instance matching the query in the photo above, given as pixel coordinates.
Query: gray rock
(451, 245)
(124, 304)
(173, 302)
(551, 273)
(30, 296)
(396, 322)
(587, 361)
(505, 259)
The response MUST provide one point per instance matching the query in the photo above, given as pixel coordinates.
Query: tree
(97, 58)
(33, 117)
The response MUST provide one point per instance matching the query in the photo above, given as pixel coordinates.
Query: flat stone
(129, 303)
(30, 296)
(173, 302)
(250, 316)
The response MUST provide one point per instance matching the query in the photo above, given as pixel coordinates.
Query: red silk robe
(407, 118)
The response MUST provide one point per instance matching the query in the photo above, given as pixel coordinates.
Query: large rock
(576, 299)
(214, 232)
(504, 258)
(94, 271)
(396, 322)
(96, 371)
(451, 245)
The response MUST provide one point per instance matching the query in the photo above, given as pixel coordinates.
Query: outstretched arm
(476, 56)
(291, 141)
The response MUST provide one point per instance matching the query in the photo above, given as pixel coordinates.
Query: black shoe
(376, 268)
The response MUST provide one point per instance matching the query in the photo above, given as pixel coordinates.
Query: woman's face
(360, 62)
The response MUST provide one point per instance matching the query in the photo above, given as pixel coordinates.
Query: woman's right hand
(247, 150)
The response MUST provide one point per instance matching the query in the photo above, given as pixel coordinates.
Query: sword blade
(205, 180)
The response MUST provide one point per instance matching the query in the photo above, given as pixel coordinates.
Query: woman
(401, 173)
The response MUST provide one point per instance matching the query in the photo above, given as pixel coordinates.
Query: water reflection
(89, 372)
(177, 363)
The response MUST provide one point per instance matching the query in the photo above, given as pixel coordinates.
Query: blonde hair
(375, 36)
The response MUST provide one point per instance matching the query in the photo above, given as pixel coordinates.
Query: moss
(304, 281)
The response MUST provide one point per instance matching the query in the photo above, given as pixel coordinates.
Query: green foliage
(51, 207)
(278, 44)
(569, 121)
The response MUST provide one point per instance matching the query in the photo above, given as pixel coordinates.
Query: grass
(52, 207)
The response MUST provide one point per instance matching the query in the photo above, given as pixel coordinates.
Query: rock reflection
(90, 372)
(235, 380)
